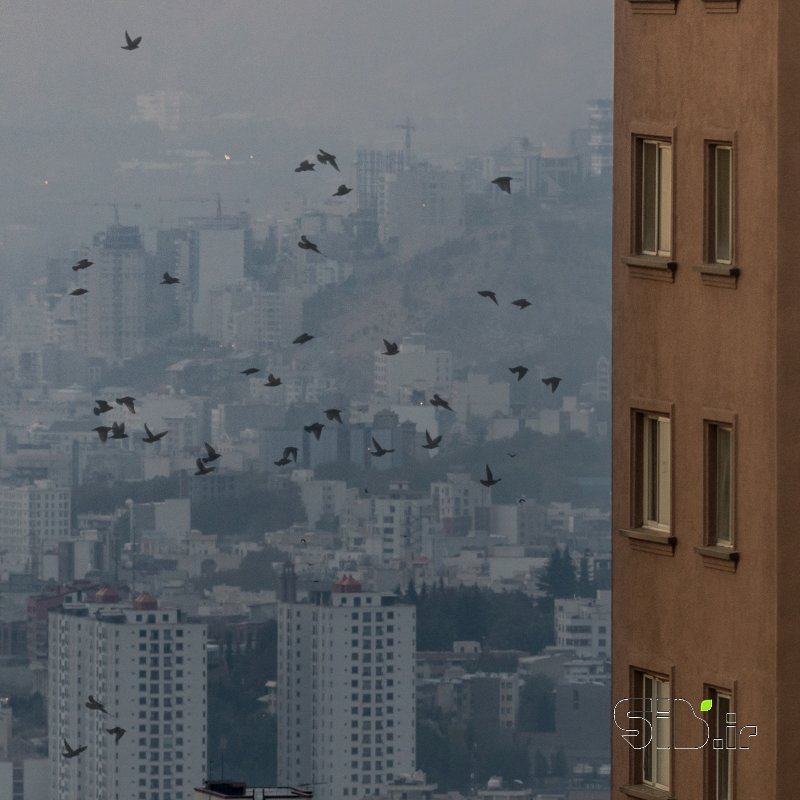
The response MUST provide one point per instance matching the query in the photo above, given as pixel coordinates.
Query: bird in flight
(378, 451)
(290, 451)
(102, 432)
(79, 292)
(306, 244)
(118, 430)
(131, 44)
(512, 455)
(521, 303)
(316, 429)
(202, 469)
(519, 371)
(305, 166)
(551, 382)
(334, 414)
(302, 338)
(127, 401)
(439, 402)
(117, 731)
(102, 407)
(153, 437)
(272, 380)
(84, 263)
(95, 705)
(213, 455)
(504, 183)
(521, 500)
(490, 480)
(282, 462)
(70, 753)
(168, 280)
(391, 348)
(342, 191)
(491, 295)
(327, 158)
(250, 371)
(431, 443)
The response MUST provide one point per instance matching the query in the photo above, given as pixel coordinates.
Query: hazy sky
(490, 70)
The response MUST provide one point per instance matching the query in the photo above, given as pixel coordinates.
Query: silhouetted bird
(84, 263)
(250, 371)
(432, 443)
(102, 432)
(272, 380)
(341, 191)
(491, 295)
(551, 382)
(70, 753)
(519, 371)
(490, 480)
(391, 348)
(202, 469)
(102, 407)
(290, 451)
(316, 429)
(512, 455)
(128, 402)
(131, 44)
(378, 451)
(306, 244)
(522, 303)
(118, 733)
(79, 292)
(521, 500)
(438, 401)
(305, 166)
(95, 705)
(327, 158)
(302, 338)
(118, 430)
(153, 437)
(282, 462)
(213, 455)
(168, 280)
(504, 183)
(334, 414)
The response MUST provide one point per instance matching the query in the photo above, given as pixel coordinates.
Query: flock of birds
(117, 731)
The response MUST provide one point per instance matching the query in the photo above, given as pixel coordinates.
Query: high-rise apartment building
(346, 691)
(706, 379)
(148, 666)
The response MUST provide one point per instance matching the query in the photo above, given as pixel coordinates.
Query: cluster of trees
(560, 578)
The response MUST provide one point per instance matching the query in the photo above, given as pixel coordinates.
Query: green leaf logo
(705, 705)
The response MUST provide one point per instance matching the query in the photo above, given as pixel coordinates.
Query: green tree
(585, 584)
(537, 705)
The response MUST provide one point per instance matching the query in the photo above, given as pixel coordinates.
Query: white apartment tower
(148, 667)
(346, 692)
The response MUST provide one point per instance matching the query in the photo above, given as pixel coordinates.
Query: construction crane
(407, 127)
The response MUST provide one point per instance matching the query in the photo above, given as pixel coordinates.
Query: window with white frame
(720, 229)
(654, 230)
(719, 760)
(655, 755)
(653, 433)
(719, 484)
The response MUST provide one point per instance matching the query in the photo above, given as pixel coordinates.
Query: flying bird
(290, 451)
(521, 500)
(316, 429)
(117, 731)
(490, 480)
(213, 455)
(118, 430)
(512, 455)
(302, 338)
(334, 414)
(551, 382)
(306, 244)
(521, 303)
(342, 191)
(432, 443)
(305, 166)
(102, 432)
(153, 437)
(282, 462)
(519, 371)
(504, 183)
(202, 469)
(438, 401)
(79, 292)
(378, 451)
(70, 753)
(128, 402)
(168, 280)
(272, 380)
(327, 158)
(131, 44)
(95, 705)
(84, 263)
(491, 295)
(250, 371)
(391, 348)
(102, 407)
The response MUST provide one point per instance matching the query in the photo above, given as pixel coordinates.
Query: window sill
(645, 792)
(653, 6)
(650, 540)
(719, 557)
(658, 268)
(725, 275)
(721, 6)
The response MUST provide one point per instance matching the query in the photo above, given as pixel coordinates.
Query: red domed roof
(145, 602)
(105, 594)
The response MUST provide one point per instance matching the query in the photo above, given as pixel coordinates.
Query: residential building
(413, 369)
(370, 165)
(584, 624)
